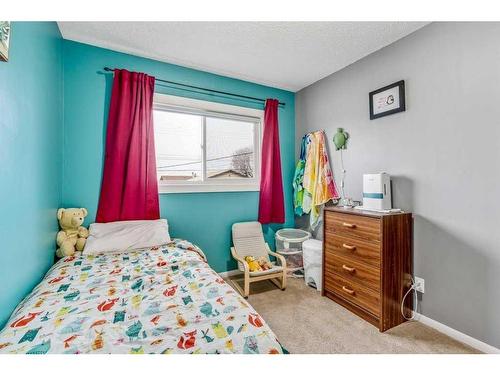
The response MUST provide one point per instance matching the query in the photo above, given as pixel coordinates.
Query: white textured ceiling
(288, 55)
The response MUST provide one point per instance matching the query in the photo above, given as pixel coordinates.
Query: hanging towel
(310, 170)
(298, 178)
(318, 183)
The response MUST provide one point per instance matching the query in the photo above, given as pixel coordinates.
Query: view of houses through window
(202, 147)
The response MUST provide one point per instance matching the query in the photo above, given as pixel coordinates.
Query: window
(204, 146)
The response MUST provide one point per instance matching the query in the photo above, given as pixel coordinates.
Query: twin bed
(165, 299)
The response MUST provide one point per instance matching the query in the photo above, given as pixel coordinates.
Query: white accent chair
(248, 240)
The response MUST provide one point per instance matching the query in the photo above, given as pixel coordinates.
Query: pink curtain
(129, 189)
(271, 205)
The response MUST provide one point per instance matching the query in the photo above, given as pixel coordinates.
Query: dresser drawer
(355, 293)
(353, 271)
(352, 226)
(358, 250)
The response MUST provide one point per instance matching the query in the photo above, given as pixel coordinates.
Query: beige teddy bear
(73, 236)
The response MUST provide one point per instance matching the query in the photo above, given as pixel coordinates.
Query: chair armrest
(240, 259)
(280, 257)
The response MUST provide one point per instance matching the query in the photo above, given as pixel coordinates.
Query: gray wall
(443, 154)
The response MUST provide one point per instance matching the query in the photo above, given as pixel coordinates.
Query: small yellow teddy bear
(264, 263)
(253, 265)
(73, 236)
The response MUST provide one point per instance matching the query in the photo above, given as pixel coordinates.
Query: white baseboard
(457, 335)
(229, 273)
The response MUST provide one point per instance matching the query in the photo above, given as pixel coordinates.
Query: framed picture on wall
(387, 100)
(4, 40)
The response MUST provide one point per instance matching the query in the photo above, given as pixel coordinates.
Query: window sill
(192, 188)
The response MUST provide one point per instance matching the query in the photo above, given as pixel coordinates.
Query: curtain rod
(205, 89)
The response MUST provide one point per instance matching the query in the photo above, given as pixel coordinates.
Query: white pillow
(120, 236)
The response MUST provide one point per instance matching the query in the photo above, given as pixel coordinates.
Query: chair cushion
(275, 269)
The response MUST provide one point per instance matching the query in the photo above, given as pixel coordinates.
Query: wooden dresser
(367, 263)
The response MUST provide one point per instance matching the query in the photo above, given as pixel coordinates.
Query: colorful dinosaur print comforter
(162, 300)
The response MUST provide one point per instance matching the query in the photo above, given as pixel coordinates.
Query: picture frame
(5, 33)
(387, 100)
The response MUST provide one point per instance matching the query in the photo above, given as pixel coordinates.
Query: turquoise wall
(203, 218)
(30, 158)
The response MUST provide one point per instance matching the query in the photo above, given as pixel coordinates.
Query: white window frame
(179, 104)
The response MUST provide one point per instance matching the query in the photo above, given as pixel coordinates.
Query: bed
(163, 299)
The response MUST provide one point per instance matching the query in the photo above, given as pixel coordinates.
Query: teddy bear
(253, 265)
(264, 263)
(73, 236)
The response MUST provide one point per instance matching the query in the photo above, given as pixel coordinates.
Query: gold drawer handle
(348, 247)
(347, 290)
(348, 269)
(349, 225)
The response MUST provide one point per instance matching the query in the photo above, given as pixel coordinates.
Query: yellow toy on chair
(253, 265)
(252, 254)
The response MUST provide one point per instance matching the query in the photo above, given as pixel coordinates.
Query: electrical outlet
(419, 284)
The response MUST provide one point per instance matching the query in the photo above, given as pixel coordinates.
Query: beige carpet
(305, 322)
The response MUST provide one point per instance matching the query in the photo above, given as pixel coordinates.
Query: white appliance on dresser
(377, 192)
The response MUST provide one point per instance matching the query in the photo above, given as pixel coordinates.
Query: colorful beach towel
(298, 178)
(317, 182)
